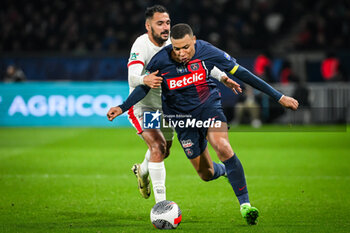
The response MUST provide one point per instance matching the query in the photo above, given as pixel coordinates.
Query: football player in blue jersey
(160, 140)
(191, 101)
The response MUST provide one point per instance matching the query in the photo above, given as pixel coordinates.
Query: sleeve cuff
(280, 98)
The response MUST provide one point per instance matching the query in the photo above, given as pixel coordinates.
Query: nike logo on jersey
(165, 73)
(240, 189)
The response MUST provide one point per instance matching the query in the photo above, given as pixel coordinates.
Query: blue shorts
(194, 139)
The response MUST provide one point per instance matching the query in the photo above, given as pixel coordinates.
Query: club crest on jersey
(189, 152)
(186, 143)
(228, 57)
(133, 56)
(194, 66)
(181, 69)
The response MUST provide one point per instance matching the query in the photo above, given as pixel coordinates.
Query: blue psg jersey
(186, 87)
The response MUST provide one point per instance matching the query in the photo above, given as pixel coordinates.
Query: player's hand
(152, 80)
(231, 84)
(113, 113)
(289, 102)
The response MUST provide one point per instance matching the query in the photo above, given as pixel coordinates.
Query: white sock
(157, 174)
(144, 164)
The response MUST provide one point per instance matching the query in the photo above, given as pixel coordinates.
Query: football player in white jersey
(158, 141)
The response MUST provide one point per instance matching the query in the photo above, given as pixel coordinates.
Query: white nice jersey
(141, 53)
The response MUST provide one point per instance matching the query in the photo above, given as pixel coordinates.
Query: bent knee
(158, 145)
(158, 149)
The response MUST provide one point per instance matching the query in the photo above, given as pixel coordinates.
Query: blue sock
(219, 170)
(235, 175)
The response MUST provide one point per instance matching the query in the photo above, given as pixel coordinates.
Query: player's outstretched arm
(136, 95)
(114, 112)
(289, 102)
(247, 77)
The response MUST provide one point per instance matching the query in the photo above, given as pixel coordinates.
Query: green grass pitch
(79, 180)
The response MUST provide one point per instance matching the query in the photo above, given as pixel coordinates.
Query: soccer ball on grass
(166, 215)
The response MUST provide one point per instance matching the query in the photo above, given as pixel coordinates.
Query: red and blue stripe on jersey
(197, 76)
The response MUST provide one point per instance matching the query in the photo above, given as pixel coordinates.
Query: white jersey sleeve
(137, 62)
(138, 53)
(134, 75)
(141, 53)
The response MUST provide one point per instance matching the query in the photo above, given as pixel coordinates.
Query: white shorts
(135, 116)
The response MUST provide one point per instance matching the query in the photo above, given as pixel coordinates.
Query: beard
(159, 40)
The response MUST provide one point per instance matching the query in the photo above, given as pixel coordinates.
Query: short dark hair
(180, 30)
(154, 9)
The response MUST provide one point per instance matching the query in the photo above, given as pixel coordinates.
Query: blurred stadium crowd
(107, 25)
